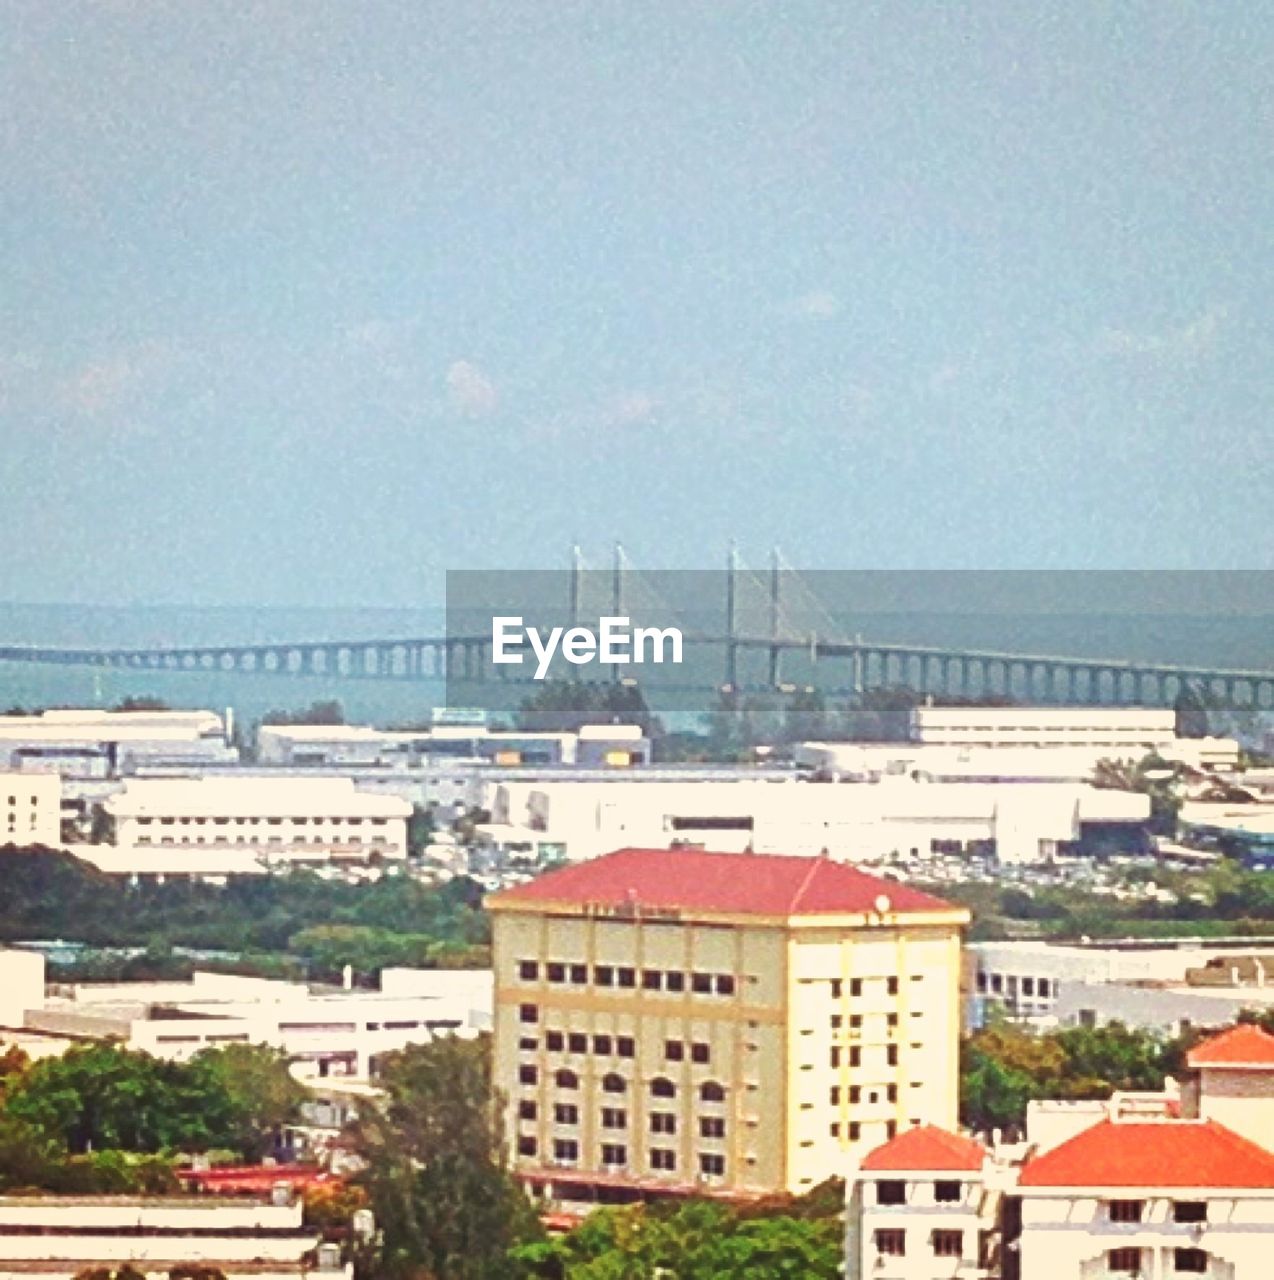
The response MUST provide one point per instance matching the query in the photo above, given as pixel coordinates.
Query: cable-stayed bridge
(745, 630)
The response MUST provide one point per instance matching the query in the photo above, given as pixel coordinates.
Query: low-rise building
(30, 809)
(925, 1206)
(1145, 1199)
(1231, 1080)
(58, 1237)
(224, 825)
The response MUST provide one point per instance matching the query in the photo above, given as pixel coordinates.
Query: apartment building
(30, 809)
(1145, 1199)
(675, 1021)
(225, 825)
(924, 1207)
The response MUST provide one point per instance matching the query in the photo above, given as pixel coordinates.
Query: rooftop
(725, 883)
(926, 1148)
(1242, 1046)
(1183, 1153)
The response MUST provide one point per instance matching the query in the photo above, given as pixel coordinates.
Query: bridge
(774, 637)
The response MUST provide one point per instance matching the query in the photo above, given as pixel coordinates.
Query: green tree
(328, 711)
(446, 1206)
(261, 1093)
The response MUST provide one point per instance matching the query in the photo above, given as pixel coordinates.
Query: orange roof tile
(1183, 1153)
(728, 883)
(1241, 1046)
(925, 1148)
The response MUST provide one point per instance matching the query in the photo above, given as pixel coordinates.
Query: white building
(1161, 988)
(325, 1032)
(85, 743)
(225, 825)
(30, 809)
(898, 818)
(21, 985)
(1146, 1198)
(924, 1207)
(1138, 730)
(60, 1236)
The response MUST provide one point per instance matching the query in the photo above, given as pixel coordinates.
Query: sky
(307, 304)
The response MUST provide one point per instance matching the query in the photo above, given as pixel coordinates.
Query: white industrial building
(223, 825)
(85, 743)
(59, 1237)
(323, 1031)
(30, 809)
(1162, 988)
(897, 818)
(606, 745)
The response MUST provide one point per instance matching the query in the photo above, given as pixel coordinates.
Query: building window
(711, 1091)
(855, 1057)
(663, 1160)
(675, 981)
(614, 1118)
(892, 1093)
(613, 1083)
(948, 1244)
(1124, 1262)
(529, 1013)
(834, 1130)
(725, 985)
(891, 1242)
(837, 988)
(554, 1041)
(891, 1191)
(1190, 1211)
(711, 1164)
(614, 1154)
(527, 1075)
(566, 1150)
(892, 1055)
(712, 1127)
(578, 1042)
(855, 1093)
(603, 1045)
(565, 1113)
(700, 1053)
(855, 986)
(946, 1192)
(663, 1122)
(835, 1055)
(701, 983)
(661, 1087)
(528, 970)
(627, 977)
(528, 1044)
(892, 986)
(557, 972)
(579, 974)
(834, 1096)
(1190, 1262)
(674, 1050)
(1126, 1210)
(604, 975)
(855, 1131)
(527, 1110)
(625, 1046)
(566, 1079)
(526, 1146)
(652, 980)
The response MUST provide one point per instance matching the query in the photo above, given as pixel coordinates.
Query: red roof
(254, 1179)
(925, 1148)
(1242, 1046)
(1182, 1153)
(726, 883)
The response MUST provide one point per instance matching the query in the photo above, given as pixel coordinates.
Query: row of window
(855, 1058)
(856, 986)
(946, 1242)
(660, 1086)
(661, 1122)
(1128, 1261)
(854, 1130)
(1134, 1210)
(894, 1191)
(855, 1094)
(615, 1154)
(996, 984)
(608, 975)
(257, 822)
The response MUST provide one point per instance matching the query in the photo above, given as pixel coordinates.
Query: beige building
(1231, 1081)
(673, 1021)
(30, 809)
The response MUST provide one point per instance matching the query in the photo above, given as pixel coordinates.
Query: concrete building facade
(678, 1021)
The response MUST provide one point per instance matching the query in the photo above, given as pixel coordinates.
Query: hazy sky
(310, 302)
